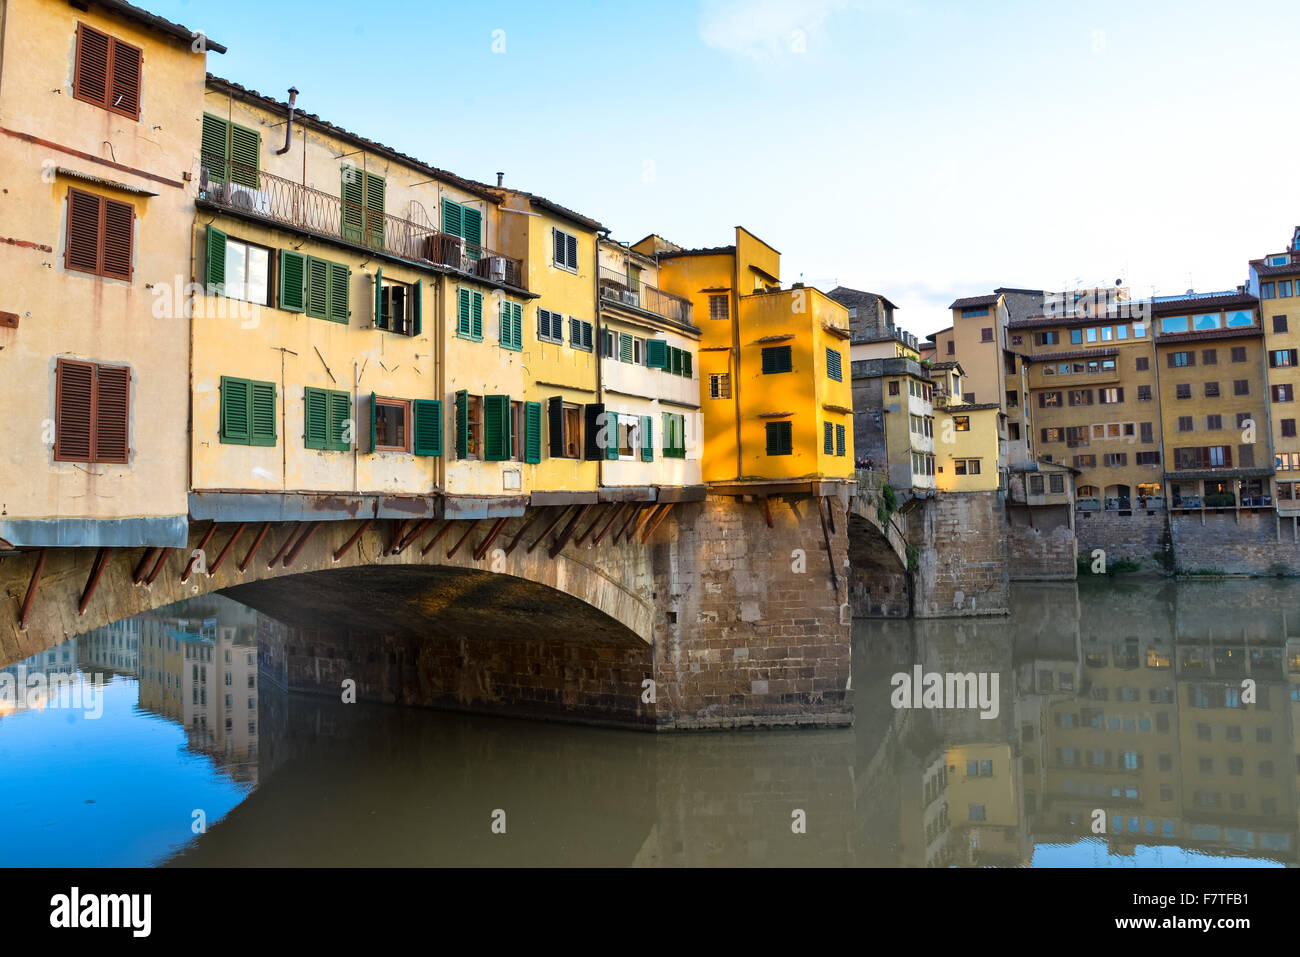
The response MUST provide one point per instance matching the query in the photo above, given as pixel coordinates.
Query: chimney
(501, 177)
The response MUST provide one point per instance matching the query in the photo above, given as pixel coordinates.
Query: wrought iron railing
(276, 199)
(618, 287)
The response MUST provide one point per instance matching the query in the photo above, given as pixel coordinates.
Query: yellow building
(1275, 279)
(967, 448)
(99, 111)
(775, 362)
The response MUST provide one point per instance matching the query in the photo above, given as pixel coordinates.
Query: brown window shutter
(112, 413)
(84, 210)
(124, 93)
(74, 400)
(119, 223)
(90, 78)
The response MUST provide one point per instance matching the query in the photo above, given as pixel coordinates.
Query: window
(1211, 390)
(1183, 390)
(1238, 353)
(1047, 338)
(564, 424)
(327, 420)
(314, 286)
(966, 466)
(511, 331)
(777, 359)
(1053, 435)
(1281, 358)
(388, 431)
(1213, 423)
(565, 247)
(1244, 420)
(893, 387)
(466, 222)
(1181, 359)
(107, 72)
(1279, 323)
(720, 306)
(1081, 397)
(361, 207)
(1144, 393)
(92, 412)
(469, 425)
(1147, 437)
(580, 334)
(1147, 458)
(1036, 485)
(1056, 483)
(247, 412)
(840, 441)
(236, 269)
(1143, 363)
(1282, 393)
(1049, 400)
(1013, 431)
(1240, 387)
(834, 368)
(231, 153)
(675, 436)
(949, 350)
(1085, 461)
(1110, 396)
(1076, 337)
(550, 326)
(1185, 423)
(986, 334)
(720, 386)
(1288, 428)
(1076, 436)
(1115, 459)
(961, 423)
(780, 438)
(1266, 290)
(100, 235)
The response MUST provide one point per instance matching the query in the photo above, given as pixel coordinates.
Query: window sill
(461, 335)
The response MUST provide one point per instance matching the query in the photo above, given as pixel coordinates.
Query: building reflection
(17, 696)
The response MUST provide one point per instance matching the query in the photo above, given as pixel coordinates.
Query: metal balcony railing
(617, 286)
(278, 200)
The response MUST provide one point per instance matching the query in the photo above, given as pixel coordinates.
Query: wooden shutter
(375, 187)
(496, 428)
(462, 313)
(124, 88)
(557, 241)
(245, 156)
(214, 261)
(471, 224)
(215, 148)
(624, 347)
(315, 418)
(611, 435)
(426, 419)
(352, 201)
(380, 322)
(592, 413)
(507, 325)
(261, 417)
(839, 440)
(73, 410)
(340, 410)
(462, 424)
(112, 413)
(119, 229)
(84, 221)
(533, 432)
(828, 438)
(235, 400)
(656, 354)
(647, 439)
(833, 365)
(555, 425)
(417, 319)
(339, 280)
(686, 365)
(571, 251)
(451, 218)
(476, 315)
(293, 281)
(90, 77)
(317, 288)
(675, 355)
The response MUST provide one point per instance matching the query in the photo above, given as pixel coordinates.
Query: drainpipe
(288, 130)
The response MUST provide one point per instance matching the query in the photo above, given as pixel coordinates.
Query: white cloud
(764, 28)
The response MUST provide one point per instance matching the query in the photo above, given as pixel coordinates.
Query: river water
(1134, 724)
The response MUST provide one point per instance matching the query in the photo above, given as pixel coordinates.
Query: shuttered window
(565, 248)
(326, 285)
(580, 334)
(465, 222)
(777, 359)
(841, 440)
(92, 412)
(512, 325)
(231, 152)
(107, 72)
(327, 420)
(550, 326)
(780, 438)
(496, 428)
(362, 207)
(656, 354)
(532, 432)
(624, 347)
(674, 436)
(247, 412)
(100, 235)
(469, 314)
(828, 438)
(834, 365)
(647, 438)
(426, 414)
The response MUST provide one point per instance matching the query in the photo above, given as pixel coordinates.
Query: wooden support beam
(356, 536)
(491, 537)
(446, 527)
(26, 611)
(257, 543)
(203, 543)
(158, 565)
(397, 537)
(226, 551)
(563, 538)
(455, 548)
(420, 529)
(92, 582)
(523, 529)
(146, 562)
(613, 518)
(594, 522)
(293, 533)
(650, 528)
(293, 553)
(830, 553)
(564, 510)
(830, 513)
(627, 522)
(645, 520)
(767, 511)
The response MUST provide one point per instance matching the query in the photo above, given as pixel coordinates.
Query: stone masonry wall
(1040, 544)
(1245, 543)
(963, 560)
(1139, 537)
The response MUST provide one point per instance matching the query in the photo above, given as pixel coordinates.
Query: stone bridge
(731, 611)
(880, 586)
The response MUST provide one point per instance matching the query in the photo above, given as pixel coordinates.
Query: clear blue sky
(919, 149)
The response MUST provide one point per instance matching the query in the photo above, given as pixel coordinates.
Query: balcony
(252, 192)
(617, 287)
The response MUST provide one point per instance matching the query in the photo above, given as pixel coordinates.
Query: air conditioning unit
(497, 268)
(631, 298)
(248, 199)
(454, 253)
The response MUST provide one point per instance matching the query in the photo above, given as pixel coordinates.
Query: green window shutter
(315, 414)
(245, 156)
(532, 432)
(375, 189)
(686, 365)
(262, 422)
(214, 269)
(647, 439)
(777, 359)
(451, 217)
(417, 308)
(471, 224)
(427, 419)
(624, 347)
(380, 321)
(834, 366)
(234, 411)
(318, 288)
(507, 334)
(293, 281)
(780, 438)
(215, 148)
(676, 356)
(462, 424)
(373, 403)
(476, 316)
(353, 203)
(611, 435)
(656, 354)
(518, 312)
(496, 428)
(339, 282)
(340, 408)
(828, 438)
(839, 440)
(462, 313)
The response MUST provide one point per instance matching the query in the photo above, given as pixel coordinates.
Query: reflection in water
(1137, 725)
